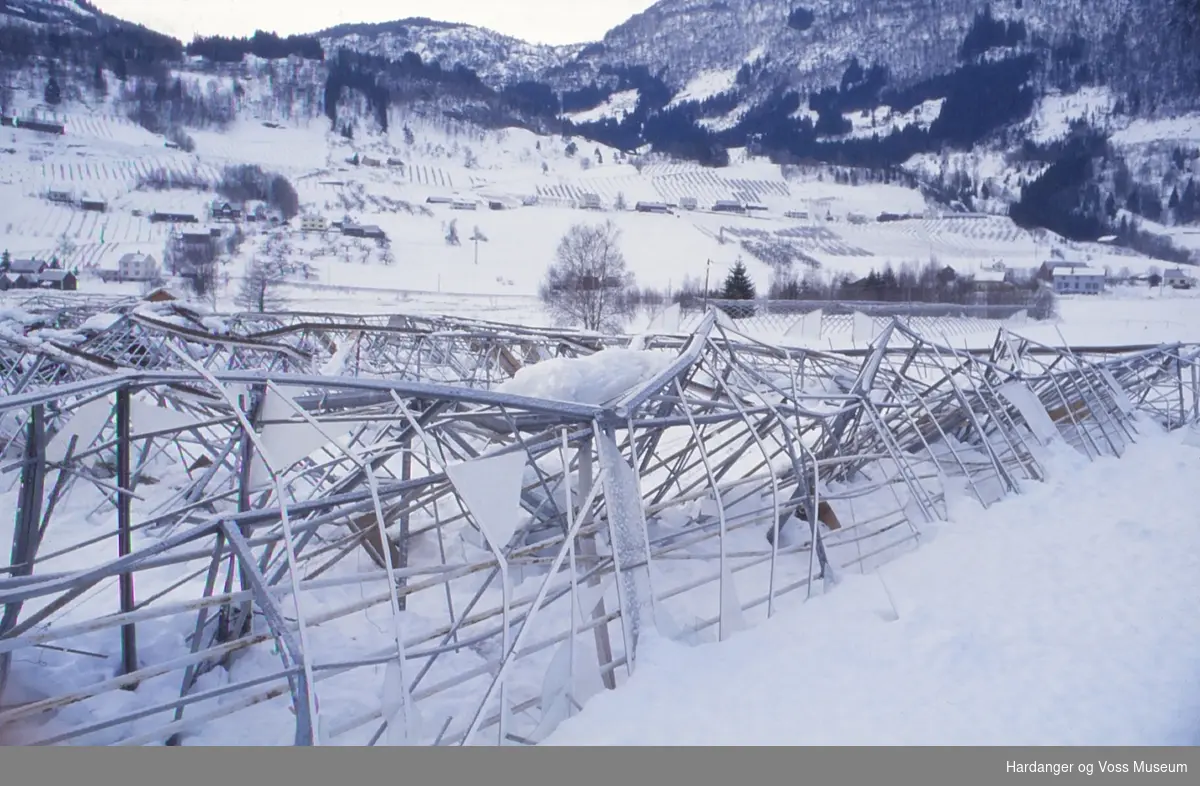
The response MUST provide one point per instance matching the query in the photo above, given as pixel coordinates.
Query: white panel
(491, 489)
(1020, 396)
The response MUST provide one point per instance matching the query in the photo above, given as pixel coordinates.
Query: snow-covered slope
(496, 58)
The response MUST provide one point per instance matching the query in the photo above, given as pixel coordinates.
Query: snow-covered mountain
(64, 13)
(497, 59)
(920, 86)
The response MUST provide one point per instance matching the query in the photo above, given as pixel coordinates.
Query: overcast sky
(539, 21)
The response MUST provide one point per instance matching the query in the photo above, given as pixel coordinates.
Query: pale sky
(538, 21)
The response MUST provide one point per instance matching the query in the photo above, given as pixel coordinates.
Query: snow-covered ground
(105, 155)
(1065, 616)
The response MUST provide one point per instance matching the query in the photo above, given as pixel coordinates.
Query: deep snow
(1064, 616)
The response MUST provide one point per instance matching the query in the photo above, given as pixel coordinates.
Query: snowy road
(1066, 615)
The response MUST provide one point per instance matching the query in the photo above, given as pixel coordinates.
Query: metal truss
(354, 525)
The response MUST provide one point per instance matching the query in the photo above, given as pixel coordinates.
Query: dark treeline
(222, 49)
(1087, 185)
(125, 50)
(384, 82)
(931, 283)
(161, 102)
(989, 33)
(245, 182)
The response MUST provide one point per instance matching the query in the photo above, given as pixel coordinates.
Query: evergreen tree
(738, 285)
(99, 81)
(53, 94)
(5, 260)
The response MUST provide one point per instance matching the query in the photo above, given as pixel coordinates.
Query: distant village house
(1177, 279)
(1078, 281)
(226, 211)
(313, 223)
(137, 267)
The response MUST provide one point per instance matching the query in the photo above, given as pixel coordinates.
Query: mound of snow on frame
(1063, 616)
(595, 379)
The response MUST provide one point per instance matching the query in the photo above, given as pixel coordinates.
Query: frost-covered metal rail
(330, 529)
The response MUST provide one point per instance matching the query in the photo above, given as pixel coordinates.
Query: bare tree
(452, 233)
(588, 283)
(202, 281)
(260, 287)
(65, 248)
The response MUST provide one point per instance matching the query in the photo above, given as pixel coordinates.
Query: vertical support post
(129, 660)
(402, 544)
(587, 548)
(26, 532)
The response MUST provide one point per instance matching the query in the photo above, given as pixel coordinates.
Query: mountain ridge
(870, 84)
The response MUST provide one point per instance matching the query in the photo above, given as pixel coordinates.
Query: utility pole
(707, 269)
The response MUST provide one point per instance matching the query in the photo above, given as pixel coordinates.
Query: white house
(1176, 277)
(313, 223)
(1078, 281)
(137, 267)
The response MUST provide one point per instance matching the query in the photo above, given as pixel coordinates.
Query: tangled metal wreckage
(207, 510)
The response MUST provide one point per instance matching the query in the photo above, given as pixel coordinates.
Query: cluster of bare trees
(266, 273)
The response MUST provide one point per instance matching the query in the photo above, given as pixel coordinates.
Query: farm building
(728, 206)
(137, 267)
(363, 230)
(1177, 278)
(496, 204)
(7, 282)
(590, 202)
(313, 223)
(94, 205)
(392, 161)
(651, 207)
(438, 200)
(368, 161)
(31, 267)
(33, 125)
(173, 218)
(58, 279)
(160, 295)
(25, 281)
(688, 203)
(1078, 280)
(463, 204)
(61, 197)
(799, 214)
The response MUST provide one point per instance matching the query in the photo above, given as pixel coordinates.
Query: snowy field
(541, 186)
(1064, 616)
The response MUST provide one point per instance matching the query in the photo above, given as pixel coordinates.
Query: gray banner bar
(601, 767)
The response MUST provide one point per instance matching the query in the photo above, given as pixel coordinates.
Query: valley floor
(1064, 616)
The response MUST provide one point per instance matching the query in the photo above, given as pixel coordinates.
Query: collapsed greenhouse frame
(245, 492)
